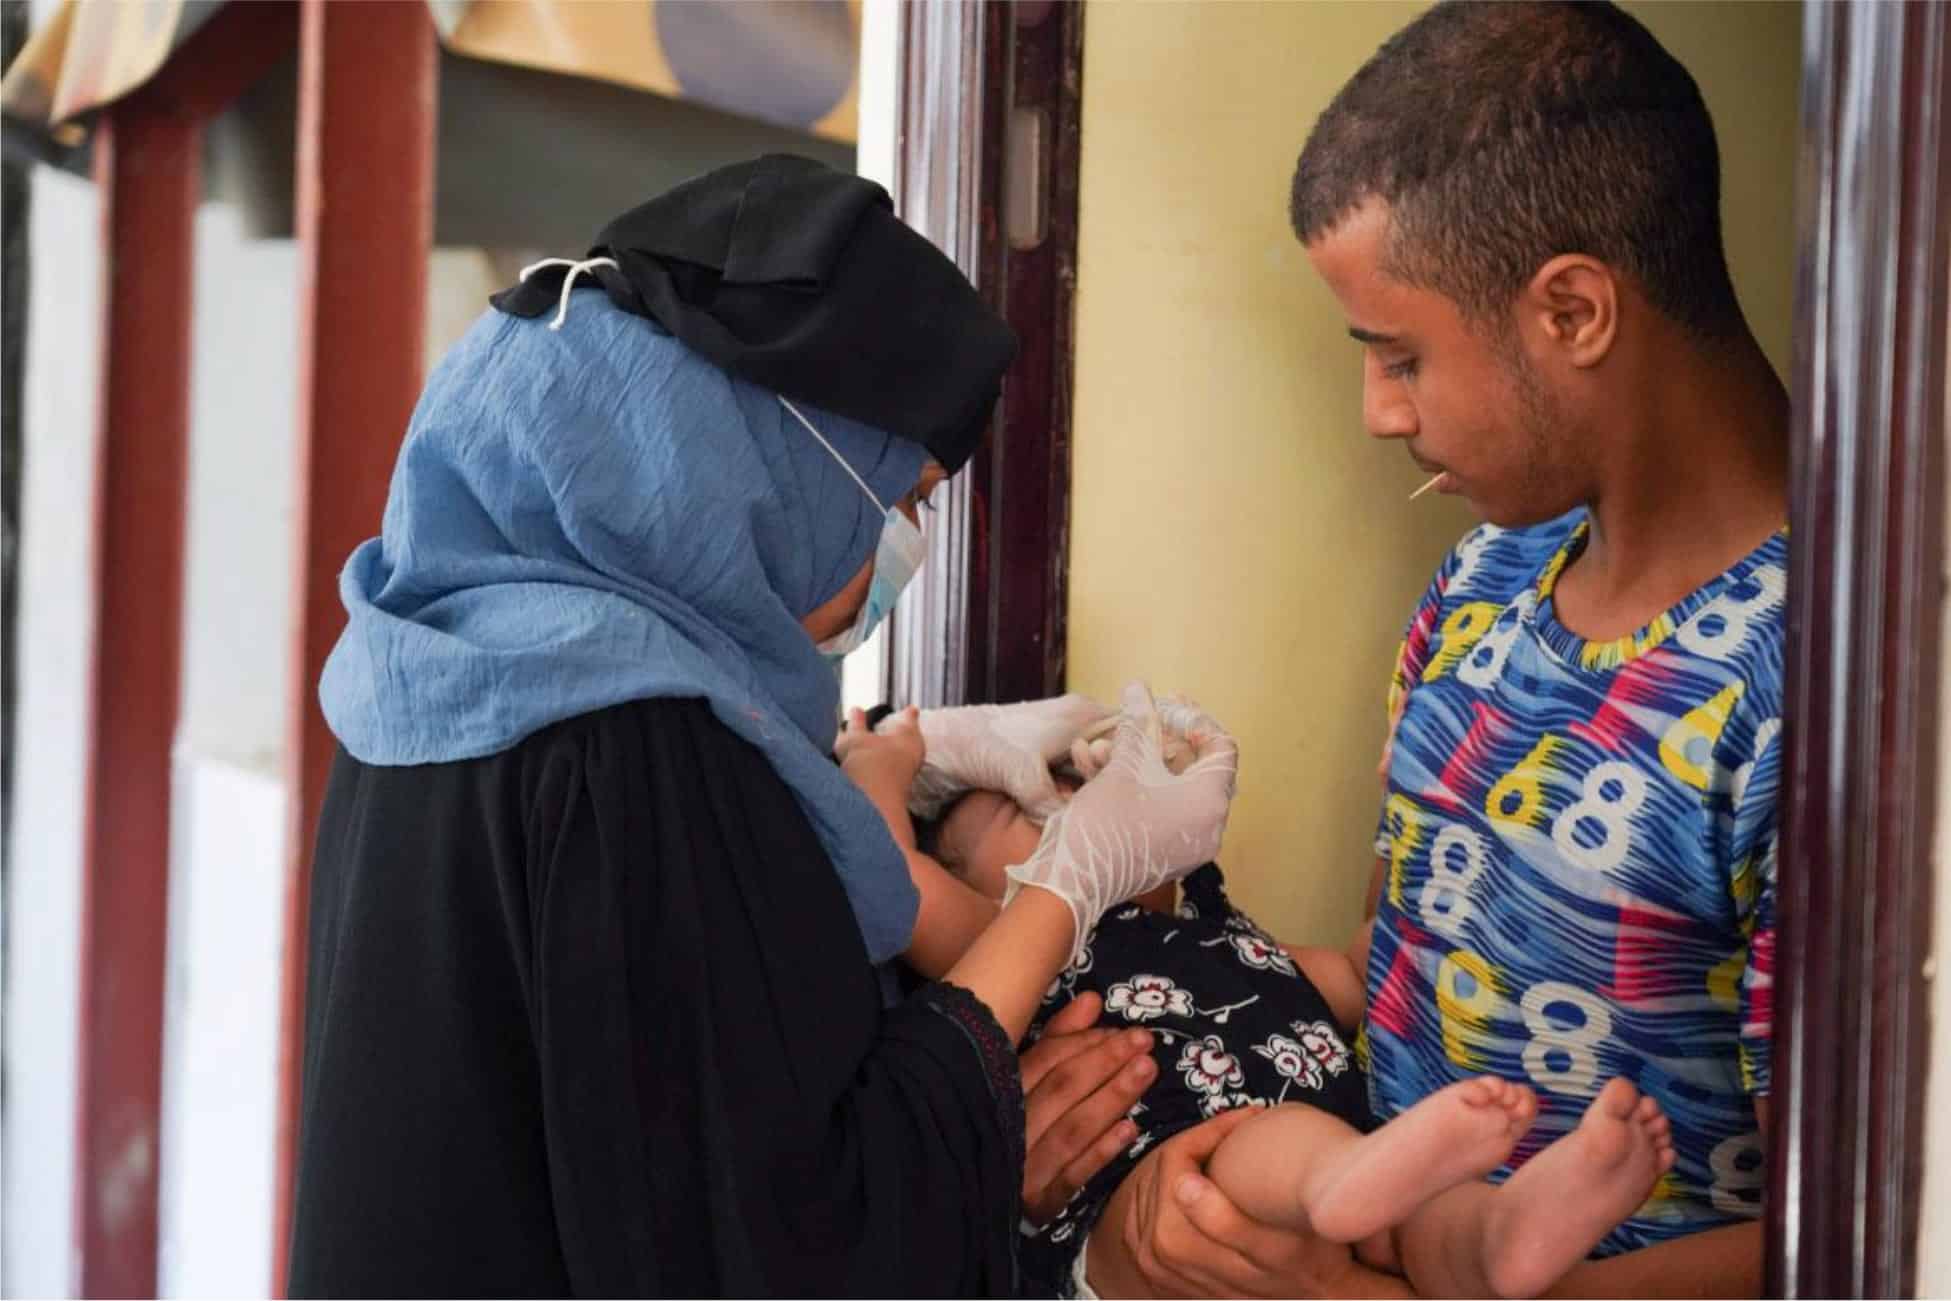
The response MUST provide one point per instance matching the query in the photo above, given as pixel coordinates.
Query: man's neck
(1702, 483)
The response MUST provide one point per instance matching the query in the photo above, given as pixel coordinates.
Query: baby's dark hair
(928, 835)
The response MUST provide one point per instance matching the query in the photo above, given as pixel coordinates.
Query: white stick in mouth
(1426, 487)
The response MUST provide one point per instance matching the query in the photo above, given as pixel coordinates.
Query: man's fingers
(1165, 1249)
(1210, 1268)
(1080, 1013)
(1181, 1247)
(1201, 1219)
(1202, 1140)
(1053, 1051)
(1140, 1230)
(1068, 1130)
(1041, 1201)
(1100, 1154)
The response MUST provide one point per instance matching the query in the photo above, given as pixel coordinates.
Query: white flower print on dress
(1261, 953)
(1292, 1061)
(1145, 998)
(1137, 1149)
(1320, 1042)
(1219, 1102)
(1310, 1059)
(1208, 1067)
(1066, 981)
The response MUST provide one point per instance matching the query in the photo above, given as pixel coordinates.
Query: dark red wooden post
(1866, 593)
(147, 153)
(366, 104)
(990, 109)
(146, 165)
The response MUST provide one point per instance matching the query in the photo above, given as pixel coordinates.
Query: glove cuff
(1082, 920)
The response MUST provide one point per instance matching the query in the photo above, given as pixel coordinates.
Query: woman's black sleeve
(728, 1106)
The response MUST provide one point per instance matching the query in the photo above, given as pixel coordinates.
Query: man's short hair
(1503, 135)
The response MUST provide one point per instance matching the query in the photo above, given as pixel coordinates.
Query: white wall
(227, 850)
(862, 672)
(227, 832)
(44, 849)
(220, 1063)
(220, 998)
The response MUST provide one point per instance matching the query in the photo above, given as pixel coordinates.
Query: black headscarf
(801, 279)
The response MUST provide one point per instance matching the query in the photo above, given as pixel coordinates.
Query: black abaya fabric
(592, 1016)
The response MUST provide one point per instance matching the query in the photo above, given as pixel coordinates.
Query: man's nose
(1386, 412)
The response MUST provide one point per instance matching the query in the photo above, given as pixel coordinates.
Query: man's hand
(1078, 1083)
(1169, 1232)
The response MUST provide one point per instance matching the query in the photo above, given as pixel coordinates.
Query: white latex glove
(1137, 824)
(1090, 752)
(1007, 748)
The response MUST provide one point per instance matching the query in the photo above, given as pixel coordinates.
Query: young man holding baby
(1517, 208)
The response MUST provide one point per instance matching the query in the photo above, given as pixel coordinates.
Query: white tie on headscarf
(569, 281)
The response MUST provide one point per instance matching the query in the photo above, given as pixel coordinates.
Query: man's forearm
(1723, 1262)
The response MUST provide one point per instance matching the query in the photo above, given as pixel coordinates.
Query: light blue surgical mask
(896, 559)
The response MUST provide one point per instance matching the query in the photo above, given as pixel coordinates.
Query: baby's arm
(951, 916)
(951, 913)
(1342, 974)
(1338, 974)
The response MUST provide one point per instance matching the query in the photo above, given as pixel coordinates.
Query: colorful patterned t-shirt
(1579, 841)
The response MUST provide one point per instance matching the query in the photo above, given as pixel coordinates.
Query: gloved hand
(1007, 748)
(1090, 752)
(1136, 825)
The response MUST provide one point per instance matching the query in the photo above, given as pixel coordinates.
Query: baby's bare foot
(1561, 1203)
(1458, 1133)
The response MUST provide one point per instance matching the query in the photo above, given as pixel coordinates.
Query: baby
(1240, 1021)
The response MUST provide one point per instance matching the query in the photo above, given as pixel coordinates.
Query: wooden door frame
(990, 97)
(1866, 556)
(147, 164)
(1866, 589)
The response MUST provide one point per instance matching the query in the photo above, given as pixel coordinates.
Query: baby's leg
(1518, 1239)
(1300, 1166)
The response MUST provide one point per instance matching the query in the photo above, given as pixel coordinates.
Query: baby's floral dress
(1234, 1024)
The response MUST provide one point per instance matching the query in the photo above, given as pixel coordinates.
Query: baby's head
(985, 833)
(979, 837)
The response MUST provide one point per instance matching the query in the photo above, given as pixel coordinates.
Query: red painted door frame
(367, 95)
(146, 165)
(147, 154)
(990, 109)
(1866, 592)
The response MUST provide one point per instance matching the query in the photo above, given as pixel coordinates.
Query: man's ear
(1571, 309)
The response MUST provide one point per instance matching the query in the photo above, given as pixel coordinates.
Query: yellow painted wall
(1235, 535)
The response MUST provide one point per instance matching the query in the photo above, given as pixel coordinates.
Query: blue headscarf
(597, 515)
